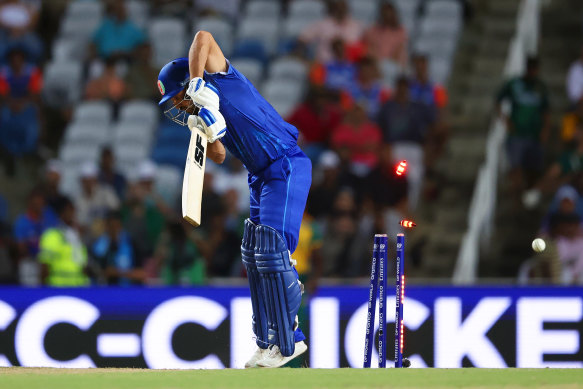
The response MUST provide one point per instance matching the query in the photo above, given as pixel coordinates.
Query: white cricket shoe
(256, 357)
(274, 358)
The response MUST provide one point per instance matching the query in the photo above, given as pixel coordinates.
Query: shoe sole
(301, 347)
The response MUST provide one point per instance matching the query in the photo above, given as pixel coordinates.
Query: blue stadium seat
(250, 48)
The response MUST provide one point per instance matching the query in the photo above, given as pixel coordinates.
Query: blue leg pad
(258, 301)
(281, 286)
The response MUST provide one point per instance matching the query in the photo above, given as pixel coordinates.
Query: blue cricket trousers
(279, 193)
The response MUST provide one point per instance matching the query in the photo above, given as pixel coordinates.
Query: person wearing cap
(94, 201)
(206, 91)
(62, 254)
(51, 181)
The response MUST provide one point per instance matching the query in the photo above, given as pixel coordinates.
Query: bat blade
(192, 183)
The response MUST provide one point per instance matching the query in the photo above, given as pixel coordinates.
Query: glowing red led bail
(401, 168)
(407, 224)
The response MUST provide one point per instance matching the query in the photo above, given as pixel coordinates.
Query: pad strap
(280, 282)
(258, 302)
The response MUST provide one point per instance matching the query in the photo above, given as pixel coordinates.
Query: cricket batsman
(205, 90)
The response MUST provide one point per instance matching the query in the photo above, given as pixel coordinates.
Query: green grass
(31, 378)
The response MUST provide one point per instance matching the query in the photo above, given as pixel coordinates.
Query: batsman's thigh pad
(258, 301)
(281, 286)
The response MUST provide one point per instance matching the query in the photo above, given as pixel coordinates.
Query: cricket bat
(194, 176)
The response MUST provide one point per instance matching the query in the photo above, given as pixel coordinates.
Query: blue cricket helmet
(173, 78)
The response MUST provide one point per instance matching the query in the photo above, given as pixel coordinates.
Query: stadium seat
(263, 9)
(222, 31)
(93, 112)
(407, 7)
(127, 132)
(69, 48)
(140, 111)
(84, 9)
(288, 69)
(292, 27)
(251, 49)
(168, 182)
(444, 8)
(438, 27)
(310, 10)
(167, 49)
(439, 69)
(79, 27)
(130, 152)
(283, 95)
(283, 106)
(390, 71)
(263, 30)
(170, 155)
(434, 46)
(73, 154)
(87, 133)
(230, 8)
(62, 82)
(365, 11)
(251, 68)
(138, 12)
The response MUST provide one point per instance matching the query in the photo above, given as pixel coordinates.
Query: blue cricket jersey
(256, 134)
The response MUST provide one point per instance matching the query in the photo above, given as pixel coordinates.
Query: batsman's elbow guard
(213, 123)
(203, 94)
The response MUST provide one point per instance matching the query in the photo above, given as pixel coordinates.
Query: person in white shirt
(575, 80)
(94, 201)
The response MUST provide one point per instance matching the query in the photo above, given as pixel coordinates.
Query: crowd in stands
(556, 184)
(119, 223)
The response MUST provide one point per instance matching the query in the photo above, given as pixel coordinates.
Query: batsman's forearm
(198, 54)
(216, 152)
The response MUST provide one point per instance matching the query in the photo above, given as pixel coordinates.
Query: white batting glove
(203, 94)
(210, 121)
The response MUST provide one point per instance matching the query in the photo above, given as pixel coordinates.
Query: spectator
(388, 39)
(361, 136)
(94, 202)
(20, 85)
(421, 87)
(566, 230)
(575, 80)
(308, 253)
(405, 125)
(338, 24)
(566, 200)
(330, 176)
(18, 20)
(109, 86)
(315, 118)
(528, 125)
(344, 245)
(144, 212)
(571, 123)
(50, 186)
(386, 195)
(179, 258)
(219, 246)
(568, 166)
(368, 87)
(62, 254)
(114, 251)
(234, 178)
(108, 175)
(140, 70)
(116, 37)
(434, 96)
(7, 265)
(29, 226)
(337, 74)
